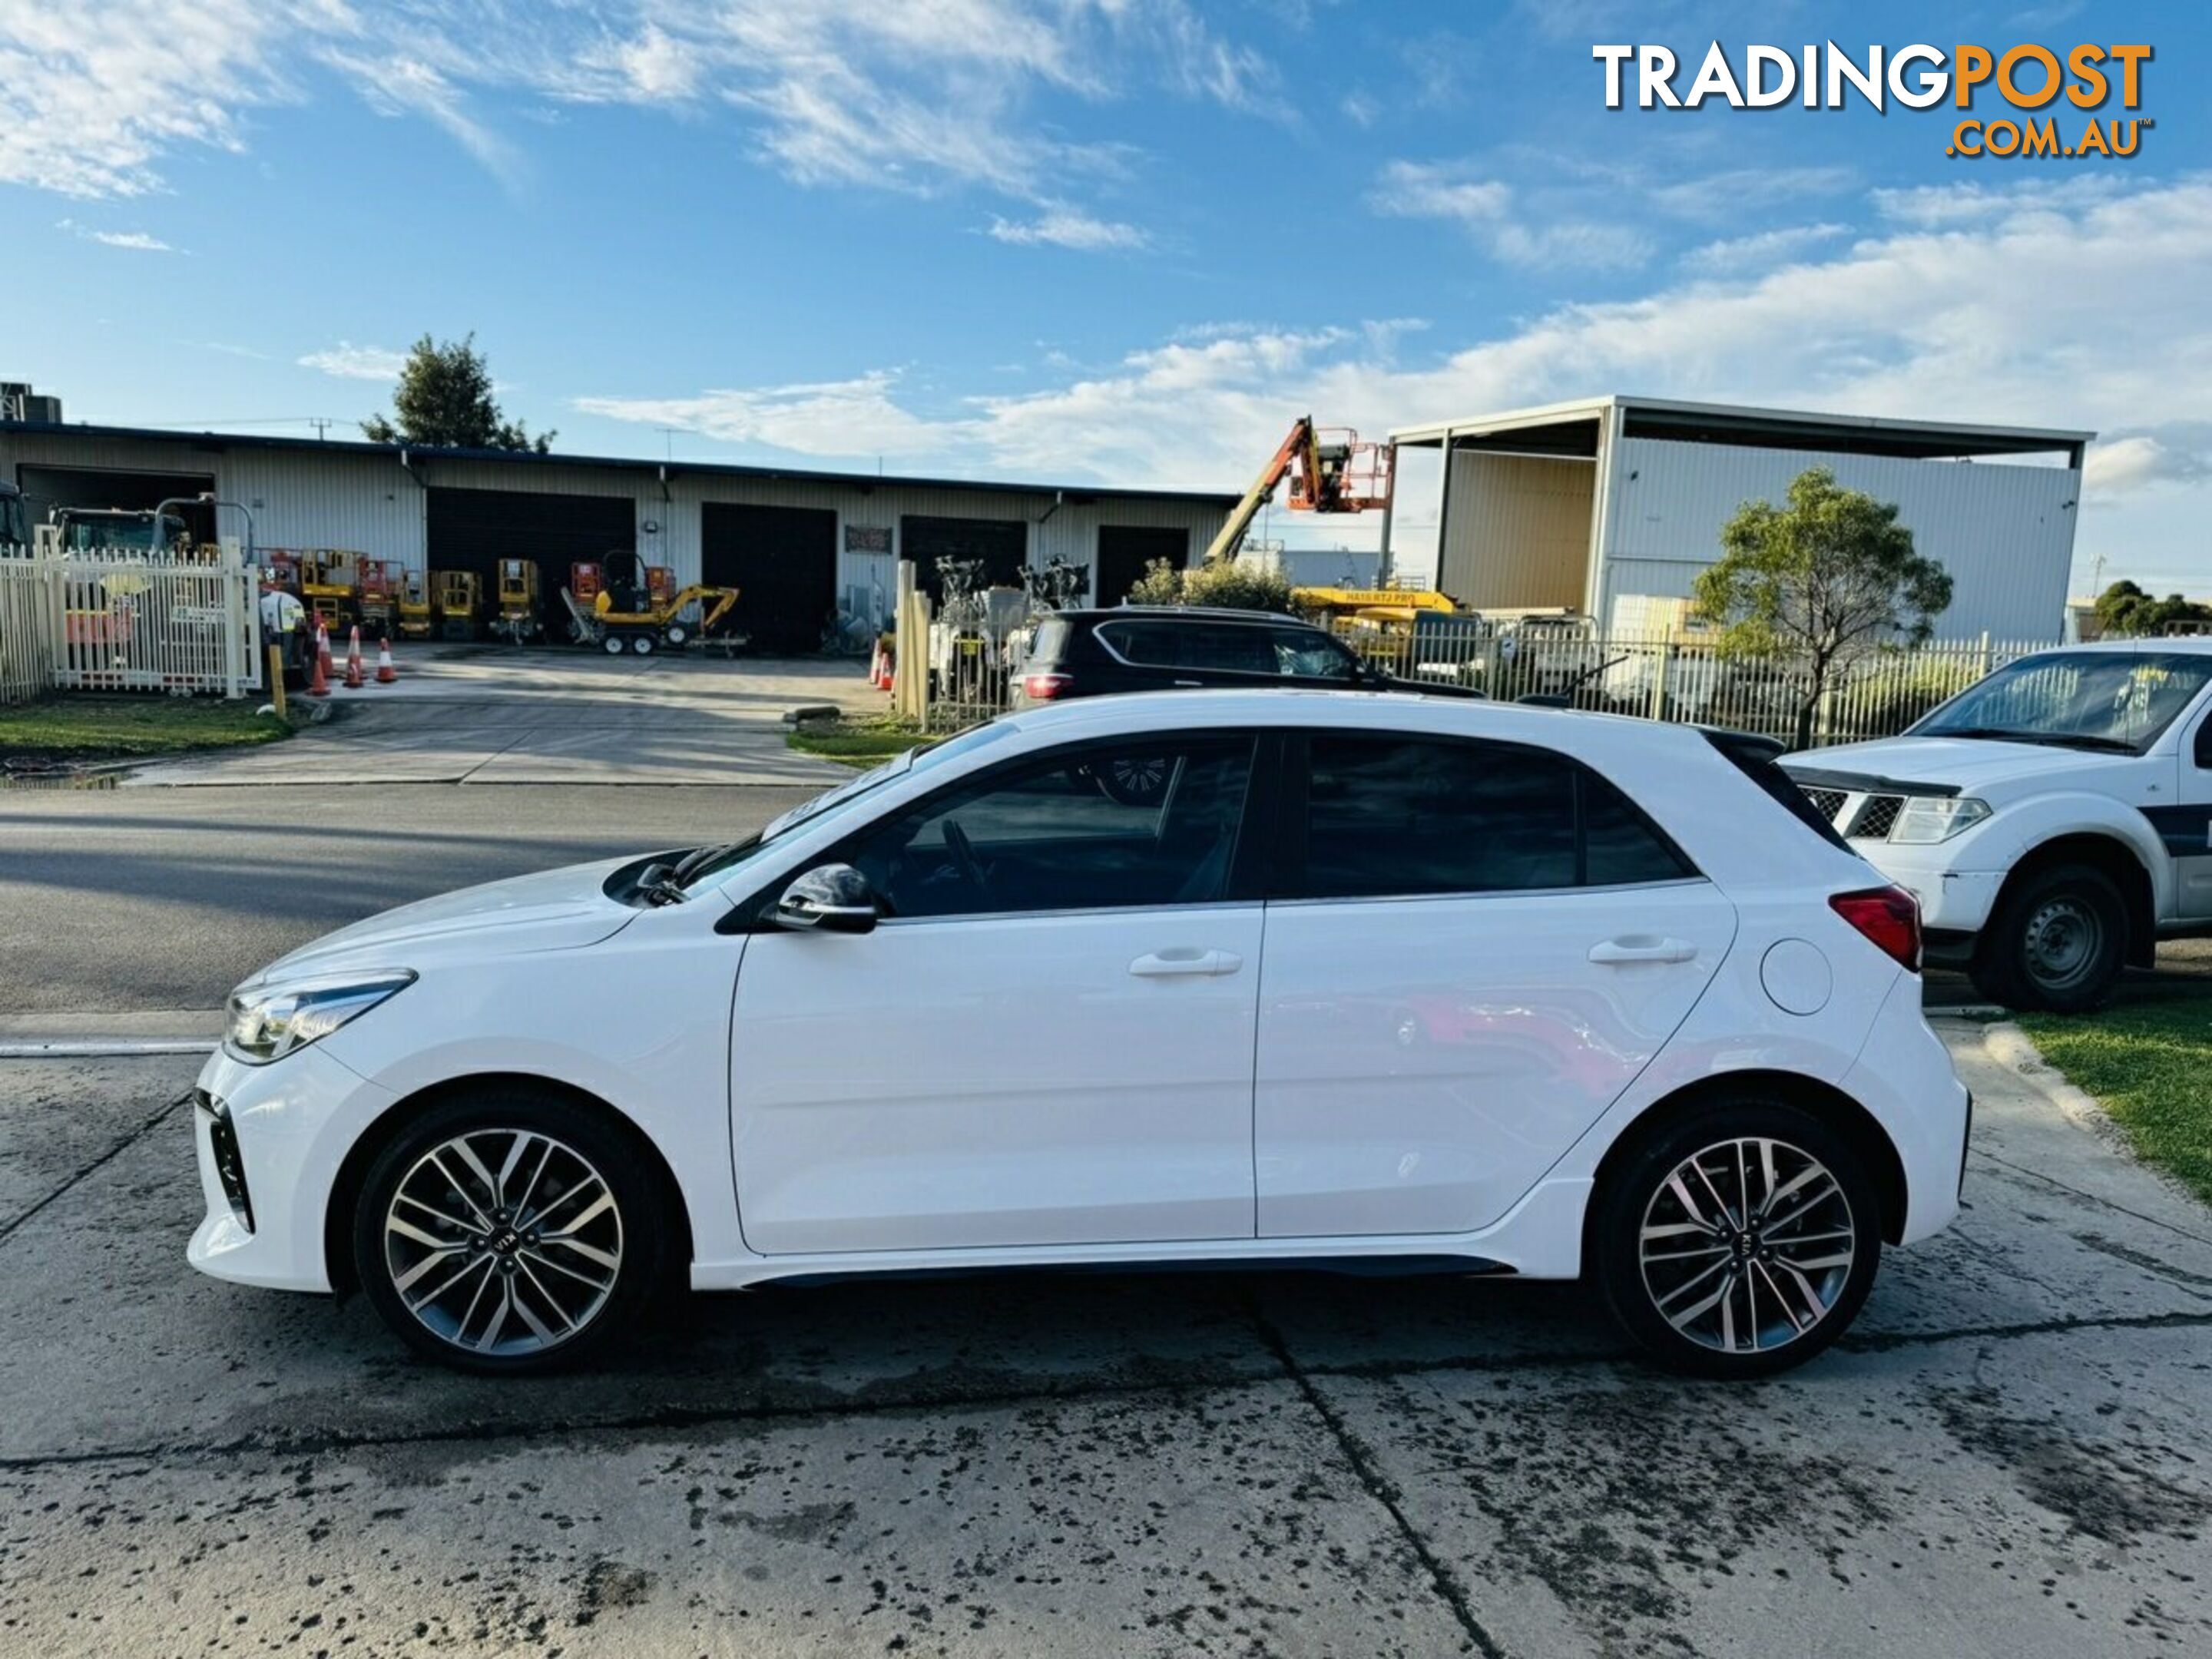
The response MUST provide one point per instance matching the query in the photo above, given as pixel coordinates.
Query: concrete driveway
(2007, 1457)
(491, 713)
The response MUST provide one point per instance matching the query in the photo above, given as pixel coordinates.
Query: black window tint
(1223, 647)
(2203, 753)
(1135, 823)
(1618, 845)
(1411, 815)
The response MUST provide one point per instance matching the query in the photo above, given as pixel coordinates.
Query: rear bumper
(1904, 1077)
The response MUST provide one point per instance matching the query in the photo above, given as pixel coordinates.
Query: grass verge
(2147, 1064)
(855, 742)
(85, 727)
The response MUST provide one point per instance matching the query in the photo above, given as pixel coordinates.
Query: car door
(1475, 948)
(2187, 827)
(1046, 1039)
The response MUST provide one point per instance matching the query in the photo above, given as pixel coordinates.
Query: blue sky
(1124, 240)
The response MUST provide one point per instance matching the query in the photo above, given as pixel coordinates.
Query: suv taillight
(1888, 916)
(1043, 688)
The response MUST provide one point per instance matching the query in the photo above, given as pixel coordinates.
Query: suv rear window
(1234, 647)
(1049, 644)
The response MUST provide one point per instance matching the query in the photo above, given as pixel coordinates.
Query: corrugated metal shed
(1665, 476)
(371, 498)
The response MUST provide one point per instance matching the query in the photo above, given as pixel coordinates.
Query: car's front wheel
(2058, 942)
(1738, 1241)
(510, 1230)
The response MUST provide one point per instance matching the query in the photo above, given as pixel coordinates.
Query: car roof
(1179, 612)
(1320, 706)
(2185, 643)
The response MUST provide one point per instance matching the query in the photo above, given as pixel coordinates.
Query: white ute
(2054, 820)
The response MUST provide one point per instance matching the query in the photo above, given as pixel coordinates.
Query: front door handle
(1186, 961)
(1641, 947)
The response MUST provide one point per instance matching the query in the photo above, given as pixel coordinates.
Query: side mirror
(835, 898)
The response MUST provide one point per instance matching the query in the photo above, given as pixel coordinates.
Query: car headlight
(1926, 819)
(268, 1022)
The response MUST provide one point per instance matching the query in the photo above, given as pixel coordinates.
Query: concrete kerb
(2012, 1048)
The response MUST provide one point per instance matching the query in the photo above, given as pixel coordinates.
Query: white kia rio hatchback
(1307, 978)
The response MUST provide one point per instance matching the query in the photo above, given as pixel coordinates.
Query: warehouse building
(799, 545)
(1610, 506)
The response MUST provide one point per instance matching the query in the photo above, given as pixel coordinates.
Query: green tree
(2124, 610)
(1828, 580)
(1226, 582)
(444, 400)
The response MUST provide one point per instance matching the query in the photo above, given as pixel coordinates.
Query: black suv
(1088, 653)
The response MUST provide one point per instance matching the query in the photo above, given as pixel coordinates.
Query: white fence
(1670, 677)
(960, 667)
(174, 622)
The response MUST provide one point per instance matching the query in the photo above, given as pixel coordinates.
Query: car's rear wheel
(2058, 942)
(1738, 1241)
(510, 1230)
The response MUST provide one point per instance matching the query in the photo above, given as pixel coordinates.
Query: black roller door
(1003, 545)
(475, 529)
(1124, 550)
(783, 562)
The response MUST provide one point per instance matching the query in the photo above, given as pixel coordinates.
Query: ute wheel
(1738, 1241)
(508, 1230)
(2058, 942)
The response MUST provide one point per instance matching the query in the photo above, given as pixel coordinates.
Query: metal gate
(176, 622)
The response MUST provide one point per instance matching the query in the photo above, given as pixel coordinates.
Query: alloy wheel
(503, 1242)
(1747, 1245)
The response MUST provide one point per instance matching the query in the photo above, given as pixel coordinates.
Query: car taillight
(1043, 688)
(1888, 916)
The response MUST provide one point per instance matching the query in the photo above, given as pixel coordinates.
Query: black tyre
(508, 1230)
(1737, 1241)
(642, 645)
(2058, 943)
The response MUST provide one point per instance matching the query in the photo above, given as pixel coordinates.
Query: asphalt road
(139, 899)
(2005, 1458)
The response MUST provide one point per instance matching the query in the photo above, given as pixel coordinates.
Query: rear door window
(1390, 815)
(1223, 647)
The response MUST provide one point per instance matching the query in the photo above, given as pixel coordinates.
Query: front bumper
(292, 1123)
(1952, 901)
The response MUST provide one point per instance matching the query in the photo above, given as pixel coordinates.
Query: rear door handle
(1641, 947)
(1184, 962)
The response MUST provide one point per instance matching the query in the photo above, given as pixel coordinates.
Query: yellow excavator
(626, 615)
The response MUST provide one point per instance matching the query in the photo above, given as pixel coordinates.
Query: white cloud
(351, 363)
(909, 94)
(1716, 196)
(1065, 227)
(2120, 467)
(2092, 317)
(137, 241)
(1491, 211)
(1739, 256)
(97, 94)
(837, 418)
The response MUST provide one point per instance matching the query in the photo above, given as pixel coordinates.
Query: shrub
(1229, 585)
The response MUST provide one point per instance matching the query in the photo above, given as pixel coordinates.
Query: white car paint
(994, 1092)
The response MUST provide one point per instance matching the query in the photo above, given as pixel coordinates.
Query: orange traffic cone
(319, 686)
(385, 673)
(354, 681)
